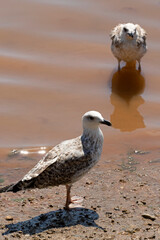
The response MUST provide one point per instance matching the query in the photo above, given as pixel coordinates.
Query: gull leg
(72, 202)
(139, 67)
(68, 197)
(119, 66)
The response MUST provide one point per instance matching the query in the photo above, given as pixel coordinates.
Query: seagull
(128, 43)
(68, 161)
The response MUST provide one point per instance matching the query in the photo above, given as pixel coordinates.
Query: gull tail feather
(12, 187)
(7, 188)
(21, 185)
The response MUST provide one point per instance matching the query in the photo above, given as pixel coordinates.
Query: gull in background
(67, 162)
(128, 43)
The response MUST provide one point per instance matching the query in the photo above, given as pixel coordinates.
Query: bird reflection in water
(127, 85)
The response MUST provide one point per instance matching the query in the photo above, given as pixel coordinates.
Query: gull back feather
(141, 34)
(116, 32)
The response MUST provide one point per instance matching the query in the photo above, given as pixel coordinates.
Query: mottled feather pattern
(60, 166)
(128, 49)
(141, 36)
(67, 166)
(116, 38)
(67, 162)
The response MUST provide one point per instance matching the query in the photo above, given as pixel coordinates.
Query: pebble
(125, 211)
(140, 152)
(89, 183)
(31, 199)
(116, 209)
(9, 218)
(50, 205)
(122, 181)
(148, 216)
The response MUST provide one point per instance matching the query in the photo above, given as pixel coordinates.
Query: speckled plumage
(128, 42)
(67, 162)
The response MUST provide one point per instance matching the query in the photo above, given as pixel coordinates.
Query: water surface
(56, 64)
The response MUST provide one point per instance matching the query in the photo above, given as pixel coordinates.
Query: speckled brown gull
(128, 43)
(67, 162)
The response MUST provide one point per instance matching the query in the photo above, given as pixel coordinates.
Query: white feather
(128, 42)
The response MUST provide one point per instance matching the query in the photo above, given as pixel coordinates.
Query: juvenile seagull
(67, 162)
(128, 43)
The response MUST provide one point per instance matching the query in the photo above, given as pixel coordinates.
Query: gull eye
(91, 118)
(125, 29)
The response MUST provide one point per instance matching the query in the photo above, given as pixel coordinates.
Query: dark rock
(148, 216)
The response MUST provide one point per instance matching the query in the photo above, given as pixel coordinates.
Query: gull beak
(106, 122)
(130, 35)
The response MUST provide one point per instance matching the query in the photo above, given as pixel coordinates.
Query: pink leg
(68, 197)
(72, 202)
(139, 67)
(119, 66)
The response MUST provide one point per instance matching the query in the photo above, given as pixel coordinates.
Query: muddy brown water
(56, 64)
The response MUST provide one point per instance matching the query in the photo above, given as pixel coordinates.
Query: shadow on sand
(55, 219)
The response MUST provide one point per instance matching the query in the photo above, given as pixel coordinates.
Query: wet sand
(119, 203)
(56, 64)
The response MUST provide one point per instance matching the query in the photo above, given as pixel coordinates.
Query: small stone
(148, 228)
(137, 229)
(108, 213)
(122, 181)
(94, 208)
(142, 184)
(30, 199)
(116, 208)
(140, 152)
(88, 183)
(50, 232)
(9, 218)
(148, 216)
(50, 205)
(112, 237)
(139, 203)
(23, 203)
(125, 211)
(2, 226)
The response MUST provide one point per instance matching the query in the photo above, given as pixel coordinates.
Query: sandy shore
(120, 203)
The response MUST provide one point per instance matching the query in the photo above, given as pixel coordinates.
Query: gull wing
(59, 154)
(115, 35)
(141, 36)
(64, 164)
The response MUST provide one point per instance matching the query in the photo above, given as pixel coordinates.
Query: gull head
(92, 119)
(129, 31)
